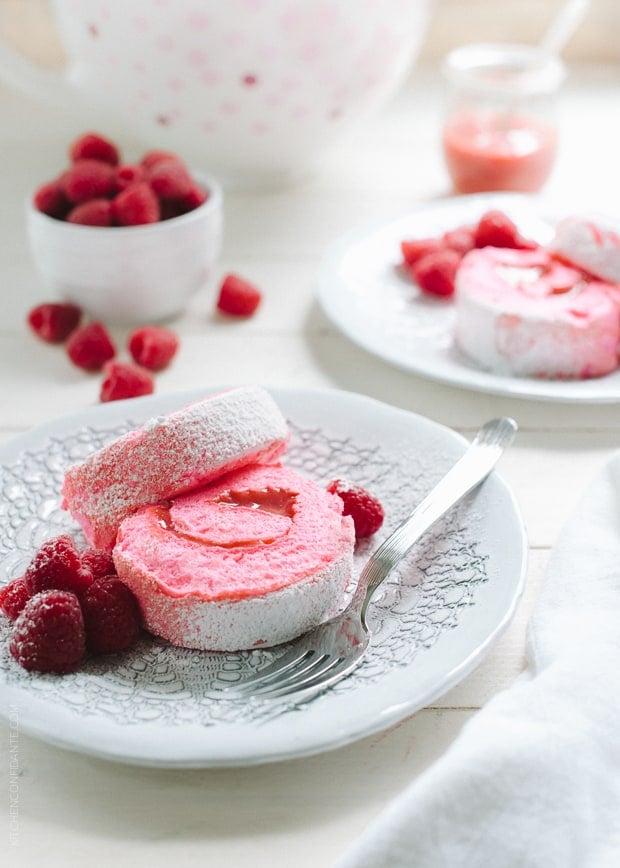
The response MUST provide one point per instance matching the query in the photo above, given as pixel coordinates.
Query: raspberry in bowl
(129, 242)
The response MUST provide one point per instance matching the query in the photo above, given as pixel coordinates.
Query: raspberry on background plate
(435, 273)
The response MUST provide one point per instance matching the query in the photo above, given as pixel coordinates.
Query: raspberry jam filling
(236, 519)
(279, 501)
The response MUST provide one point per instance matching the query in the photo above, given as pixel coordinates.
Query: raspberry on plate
(124, 380)
(136, 206)
(111, 616)
(460, 239)
(237, 296)
(88, 179)
(90, 346)
(48, 635)
(414, 249)
(94, 212)
(99, 562)
(94, 146)
(436, 272)
(53, 322)
(365, 510)
(496, 229)
(13, 598)
(57, 564)
(152, 347)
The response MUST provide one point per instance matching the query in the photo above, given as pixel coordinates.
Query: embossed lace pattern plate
(364, 292)
(160, 705)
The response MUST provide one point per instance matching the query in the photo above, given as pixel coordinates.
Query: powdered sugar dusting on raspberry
(173, 455)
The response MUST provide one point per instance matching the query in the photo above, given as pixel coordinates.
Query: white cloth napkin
(534, 778)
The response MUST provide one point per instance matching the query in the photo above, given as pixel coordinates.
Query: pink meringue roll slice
(526, 313)
(594, 247)
(251, 560)
(171, 455)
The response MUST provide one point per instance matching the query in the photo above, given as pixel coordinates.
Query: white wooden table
(74, 810)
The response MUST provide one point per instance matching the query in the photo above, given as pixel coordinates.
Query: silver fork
(330, 652)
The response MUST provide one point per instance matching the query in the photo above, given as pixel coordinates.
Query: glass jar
(499, 131)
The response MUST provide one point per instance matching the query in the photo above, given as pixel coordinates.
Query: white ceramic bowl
(129, 274)
(263, 89)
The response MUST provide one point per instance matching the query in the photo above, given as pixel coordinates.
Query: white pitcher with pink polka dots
(256, 90)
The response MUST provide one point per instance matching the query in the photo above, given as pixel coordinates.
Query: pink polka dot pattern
(213, 75)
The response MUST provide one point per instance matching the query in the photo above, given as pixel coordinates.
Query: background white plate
(433, 621)
(363, 292)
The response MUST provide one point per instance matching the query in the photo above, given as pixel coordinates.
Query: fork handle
(468, 472)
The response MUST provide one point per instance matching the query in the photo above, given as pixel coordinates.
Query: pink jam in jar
(499, 131)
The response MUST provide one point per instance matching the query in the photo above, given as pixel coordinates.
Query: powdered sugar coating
(171, 455)
(522, 312)
(217, 574)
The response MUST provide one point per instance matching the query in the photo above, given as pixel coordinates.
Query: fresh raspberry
(152, 347)
(496, 229)
(414, 249)
(50, 199)
(93, 146)
(175, 207)
(128, 174)
(123, 380)
(237, 296)
(57, 564)
(13, 598)
(196, 197)
(111, 616)
(53, 322)
(170, 179)
(151, 158)
(94, 212)
(98, 562)
(460, 239)
(365, 510)
(88, 179)
(90, 346)
(136, 206)
(436, 272)
(169, 208)
(48, 635)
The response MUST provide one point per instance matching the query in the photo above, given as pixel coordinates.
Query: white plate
(433, 623)
(363, 292)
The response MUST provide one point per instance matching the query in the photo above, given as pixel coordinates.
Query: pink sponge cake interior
(171, 455)
(254, 559)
